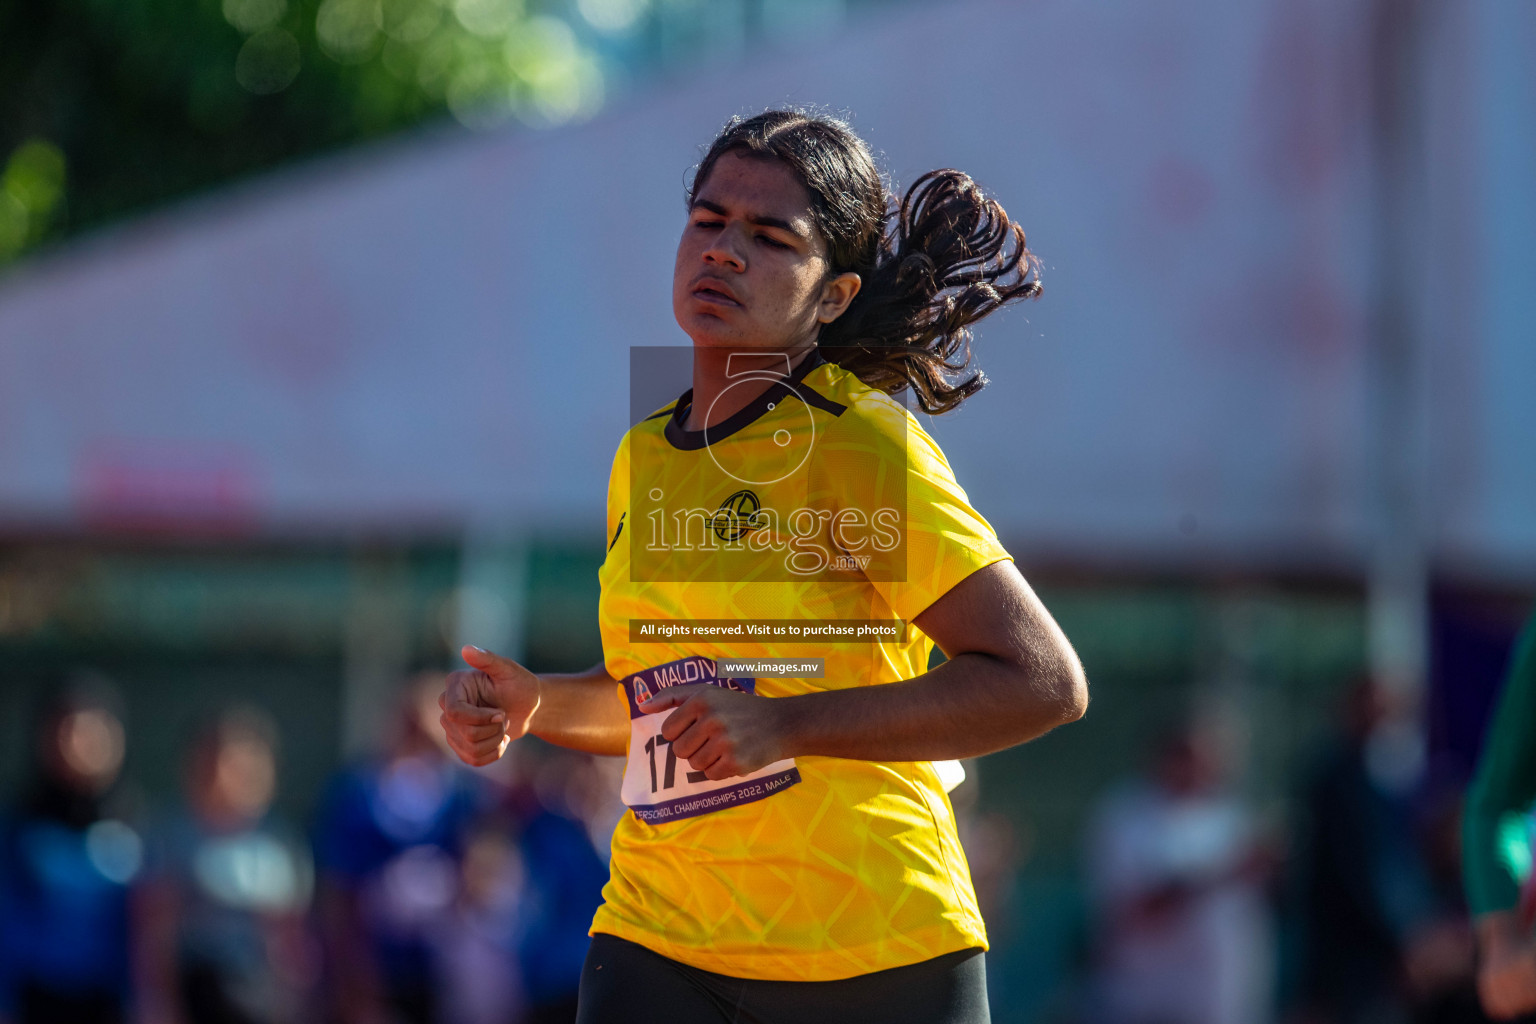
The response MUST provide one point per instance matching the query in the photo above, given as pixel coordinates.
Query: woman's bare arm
(1011, 676)
(582, 710)
(497, 701)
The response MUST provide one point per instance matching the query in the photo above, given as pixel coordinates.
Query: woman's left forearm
(972, 704)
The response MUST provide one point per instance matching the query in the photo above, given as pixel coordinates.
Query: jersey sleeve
(942, 538)
(616, 560)
(618, 495)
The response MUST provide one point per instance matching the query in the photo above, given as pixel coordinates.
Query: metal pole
(1398, 588)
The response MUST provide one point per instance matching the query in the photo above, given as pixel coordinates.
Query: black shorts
(625, 983)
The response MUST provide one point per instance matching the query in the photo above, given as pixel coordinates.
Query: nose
(726, 250)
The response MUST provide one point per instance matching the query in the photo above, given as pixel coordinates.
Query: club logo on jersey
(738, 515)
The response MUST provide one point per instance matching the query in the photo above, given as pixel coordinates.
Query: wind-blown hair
(931, 265)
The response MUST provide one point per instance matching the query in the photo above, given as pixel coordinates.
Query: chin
(709, 331)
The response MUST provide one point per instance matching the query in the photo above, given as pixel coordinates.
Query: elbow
(1072, 690)
(1054, 691)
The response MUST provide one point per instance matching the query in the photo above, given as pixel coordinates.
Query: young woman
(791, 854)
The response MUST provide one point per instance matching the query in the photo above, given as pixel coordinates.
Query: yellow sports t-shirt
(822, 501)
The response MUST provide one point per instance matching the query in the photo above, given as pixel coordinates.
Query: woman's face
(752, 269)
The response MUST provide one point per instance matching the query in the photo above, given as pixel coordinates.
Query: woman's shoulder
(653, 423)
(867, 414)
(656, 420)
(853, 404)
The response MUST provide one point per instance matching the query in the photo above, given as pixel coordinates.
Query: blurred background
(315, 319)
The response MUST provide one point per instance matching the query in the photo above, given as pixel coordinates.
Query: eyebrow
(762, 221)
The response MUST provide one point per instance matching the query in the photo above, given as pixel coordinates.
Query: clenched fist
(488, 706)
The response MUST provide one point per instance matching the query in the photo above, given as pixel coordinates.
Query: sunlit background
(315, 322)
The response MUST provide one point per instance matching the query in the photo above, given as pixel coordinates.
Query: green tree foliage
(110, 106)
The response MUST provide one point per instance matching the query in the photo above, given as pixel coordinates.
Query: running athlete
(790, 853)
(1499, 828)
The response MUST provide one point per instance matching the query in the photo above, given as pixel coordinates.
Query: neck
(716, 369)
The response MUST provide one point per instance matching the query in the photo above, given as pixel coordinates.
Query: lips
(715, 292)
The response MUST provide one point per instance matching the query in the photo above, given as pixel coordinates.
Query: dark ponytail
(931, 267)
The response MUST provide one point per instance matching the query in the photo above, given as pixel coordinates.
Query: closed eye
(774, 242)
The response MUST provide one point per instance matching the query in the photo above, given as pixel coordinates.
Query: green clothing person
(1497, 842)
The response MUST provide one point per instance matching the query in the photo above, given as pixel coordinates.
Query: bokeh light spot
(250, 16)
(478, 95)
(613, 16)
(410, 21)
(490, 19)
(13, 225)
(268, 62)
(31, 187)
(91, 745)
(115, 850)
(561, 82)
(348, 29)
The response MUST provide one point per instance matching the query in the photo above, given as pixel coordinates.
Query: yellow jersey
(822, 501)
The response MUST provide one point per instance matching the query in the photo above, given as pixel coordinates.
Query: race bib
(658, 785)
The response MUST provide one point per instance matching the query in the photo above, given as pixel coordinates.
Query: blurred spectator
(459, 897)
(1177, 878)
(65, 869)
(996, 848)
(1365, 895)
(1500, 834)
(1440, 966)
(477, 950)
(530, 883)
(571, 796)
(224, 910)
(390, 846)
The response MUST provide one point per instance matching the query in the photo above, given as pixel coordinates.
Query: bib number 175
(655, 787)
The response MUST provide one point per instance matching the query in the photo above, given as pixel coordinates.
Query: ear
(836, 294)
